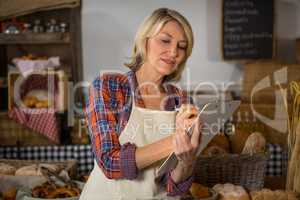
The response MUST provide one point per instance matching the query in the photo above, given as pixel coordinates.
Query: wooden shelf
(35, 38)
(3, 82)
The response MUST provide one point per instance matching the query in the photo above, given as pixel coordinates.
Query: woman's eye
(182, 47)
(165, 41)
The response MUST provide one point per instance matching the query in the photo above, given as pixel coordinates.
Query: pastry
(51, 191)
(10, 194)
(62, 192)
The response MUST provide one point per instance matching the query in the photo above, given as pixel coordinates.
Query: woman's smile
(169, 61)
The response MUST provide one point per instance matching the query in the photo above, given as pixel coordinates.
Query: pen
(177, 107)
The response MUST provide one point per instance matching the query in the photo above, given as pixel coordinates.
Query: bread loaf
(29, 170)
(51, 167)
(229, 191)
(255, 143)
(218, 145)
(213, 150)
(6, 169)
(221, 141)
(238, 140)
(267, 194)
(35, 169)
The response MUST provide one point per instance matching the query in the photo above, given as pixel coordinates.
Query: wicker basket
(245, 170)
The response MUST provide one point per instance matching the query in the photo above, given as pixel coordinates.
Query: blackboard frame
(241, 59)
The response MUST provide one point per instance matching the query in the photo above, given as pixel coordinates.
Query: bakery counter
(276, 165)
(82, 154)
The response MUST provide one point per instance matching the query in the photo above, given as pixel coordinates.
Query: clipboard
(213, 115)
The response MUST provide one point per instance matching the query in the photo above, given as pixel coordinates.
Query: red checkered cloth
(42, 120)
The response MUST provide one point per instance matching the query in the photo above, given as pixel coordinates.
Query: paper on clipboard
(213, 115)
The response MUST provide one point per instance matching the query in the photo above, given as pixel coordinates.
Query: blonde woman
(132, 117)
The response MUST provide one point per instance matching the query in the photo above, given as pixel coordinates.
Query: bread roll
(229, 191)
(41, 95)
(255, 143)
(6, 169)
(38, 99)
(42, 104)
(30, 101)
(199, 191)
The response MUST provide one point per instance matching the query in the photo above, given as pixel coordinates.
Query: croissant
(62, 192)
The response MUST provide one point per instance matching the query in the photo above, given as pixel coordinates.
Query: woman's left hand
(185, 147)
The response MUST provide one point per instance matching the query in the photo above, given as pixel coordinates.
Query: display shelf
(35, 38)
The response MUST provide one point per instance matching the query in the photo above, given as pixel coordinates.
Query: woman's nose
(173, 51)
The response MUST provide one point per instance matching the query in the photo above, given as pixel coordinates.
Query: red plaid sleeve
(105, 100)
(175, 189)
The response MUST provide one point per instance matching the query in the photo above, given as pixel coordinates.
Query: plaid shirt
(107, 113)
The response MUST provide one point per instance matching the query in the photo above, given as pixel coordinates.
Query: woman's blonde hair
(151, 26)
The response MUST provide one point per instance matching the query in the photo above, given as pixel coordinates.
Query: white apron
(144, 126)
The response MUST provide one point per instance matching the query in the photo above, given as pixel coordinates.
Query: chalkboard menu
(247, 29)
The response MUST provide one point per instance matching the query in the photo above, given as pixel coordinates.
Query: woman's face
(167, 49)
